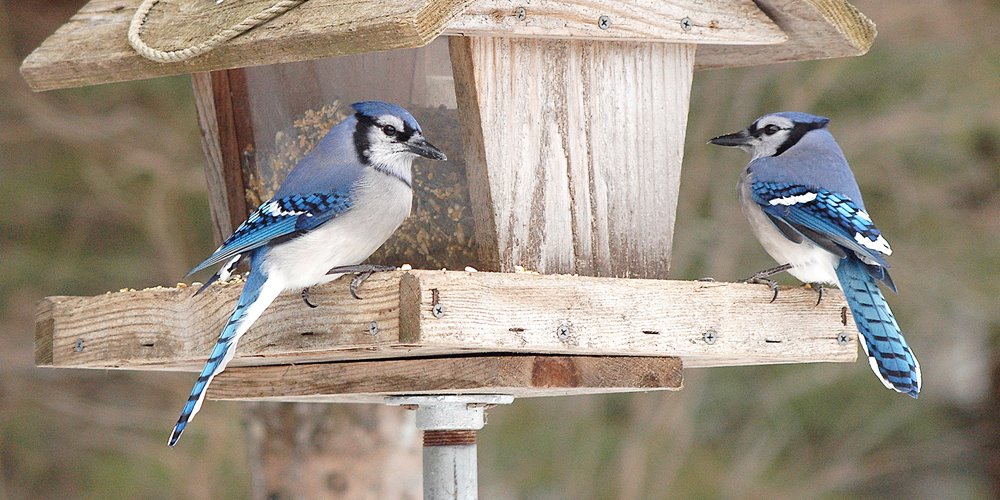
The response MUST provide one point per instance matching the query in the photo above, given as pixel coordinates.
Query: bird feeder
(564, 123)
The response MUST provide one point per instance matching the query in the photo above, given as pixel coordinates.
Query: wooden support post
(296, 451)
(226, 124)
(574, 151)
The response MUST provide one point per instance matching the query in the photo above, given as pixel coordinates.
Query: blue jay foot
(819, 291)
(764, 281)
(364, 271)
(762, 278)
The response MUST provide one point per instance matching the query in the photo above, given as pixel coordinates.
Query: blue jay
(803, 204)
(334, 209)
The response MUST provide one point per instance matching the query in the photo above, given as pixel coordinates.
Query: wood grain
(91, 47)
(519, 376)
(211, 145)
(573, 151)
(168, 329)
(227, 137)
(816, 29)
(720, 21)
(582, 315)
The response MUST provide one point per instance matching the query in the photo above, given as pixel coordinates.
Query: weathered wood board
(573, 151)
(92, 47)
(704, 323)
(737, 22)
(222, 101)
(816, 29)
(518, 376)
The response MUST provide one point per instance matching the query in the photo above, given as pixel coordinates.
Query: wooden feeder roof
(92, 47)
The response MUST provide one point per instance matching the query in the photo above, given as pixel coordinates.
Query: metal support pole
(450, 424)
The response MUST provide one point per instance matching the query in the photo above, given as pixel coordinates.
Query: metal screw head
(520, 13)
(562, 331)
(604, 22)
(710, 336)
(79, 345)
(373, 328)
(843, 338)
(686, 24)
(437, 311)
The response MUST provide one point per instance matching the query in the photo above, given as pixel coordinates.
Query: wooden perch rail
(438, 313)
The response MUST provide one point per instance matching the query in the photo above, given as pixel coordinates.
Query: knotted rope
(140, 46)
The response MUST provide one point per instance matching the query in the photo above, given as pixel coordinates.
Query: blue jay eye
(771, 129)
(389, 130)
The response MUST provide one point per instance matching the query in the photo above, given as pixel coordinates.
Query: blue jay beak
(419, 146)
(737, 139)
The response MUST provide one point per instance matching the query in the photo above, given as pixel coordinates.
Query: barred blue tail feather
(889, 355)
(257, 294)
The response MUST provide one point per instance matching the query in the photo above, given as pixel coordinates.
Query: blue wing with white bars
(831, 220)
(279, 218)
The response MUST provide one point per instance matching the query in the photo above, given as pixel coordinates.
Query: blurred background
(101, 188)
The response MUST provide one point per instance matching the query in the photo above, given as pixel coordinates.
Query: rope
(140, 46)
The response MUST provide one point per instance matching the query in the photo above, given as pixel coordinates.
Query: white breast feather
(810, 263)
(382, 202)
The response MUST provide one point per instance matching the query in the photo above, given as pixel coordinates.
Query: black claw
(305, 298)
(364, 272)
(761, 278)
(819, 291)
(773, 285)
(358, 281)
